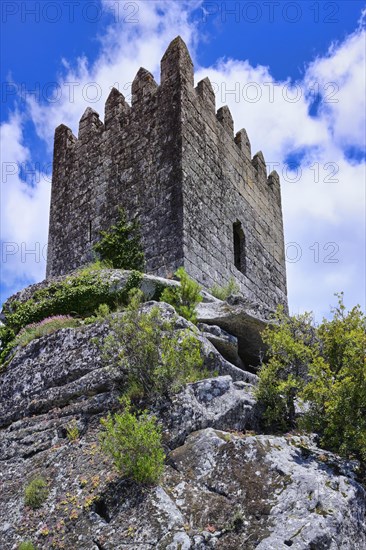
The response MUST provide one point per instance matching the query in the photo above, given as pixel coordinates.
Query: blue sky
(292, 74)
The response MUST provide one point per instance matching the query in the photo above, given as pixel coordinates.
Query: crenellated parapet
(64, 136)
(143, 86)
(64, 145)
(89, 125)
(116, 109)
(242, 141)
(177, 72)
(205, 91)
(274, 179)
(260, 165)
(224, 117)
(273, 182)
(177, 65)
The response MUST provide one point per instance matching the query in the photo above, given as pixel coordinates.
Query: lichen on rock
(225, 485)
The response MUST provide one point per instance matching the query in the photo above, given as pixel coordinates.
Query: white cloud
(341, 76)
(24, 211)
(265, 107)
(123, 49)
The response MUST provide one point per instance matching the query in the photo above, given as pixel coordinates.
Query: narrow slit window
(90, 231)
(239, 247)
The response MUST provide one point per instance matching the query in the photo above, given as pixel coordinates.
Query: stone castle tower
(173, 162)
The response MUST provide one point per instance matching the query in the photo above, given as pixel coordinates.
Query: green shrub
(156, 358)
(100, 314)
(78, 294)
(35, 493)
(324, 366)
(183, 298)
(223, 292)
(72, 430)
(135, 445)
(102, 311)
(238, 522)
(336, 391)
(293, 346)
(121, 245)
(27, 545)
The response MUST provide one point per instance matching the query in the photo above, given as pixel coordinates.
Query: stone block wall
(224, 188)
(173, 162)
(132, 160)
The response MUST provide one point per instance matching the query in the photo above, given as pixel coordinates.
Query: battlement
(118, 113)
(143, 86)
(205, 91)
(172, 160)
(177, 65)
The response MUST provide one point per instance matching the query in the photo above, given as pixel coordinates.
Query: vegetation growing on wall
(26, 545)
(78, 295)
(223, 292)
(35, 493)
(157, 360)
(120, 246)
(44, 327)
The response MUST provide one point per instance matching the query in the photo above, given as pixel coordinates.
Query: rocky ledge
(243, 319)
(225, 484)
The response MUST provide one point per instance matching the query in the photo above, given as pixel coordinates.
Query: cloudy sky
(292, 73)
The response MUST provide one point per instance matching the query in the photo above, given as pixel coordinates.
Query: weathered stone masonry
(172, 161)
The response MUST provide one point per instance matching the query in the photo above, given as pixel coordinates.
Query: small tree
(324, 366)
(293, 346)
(157, 359)
(120, 247)
(336, 391)
(134, 443)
